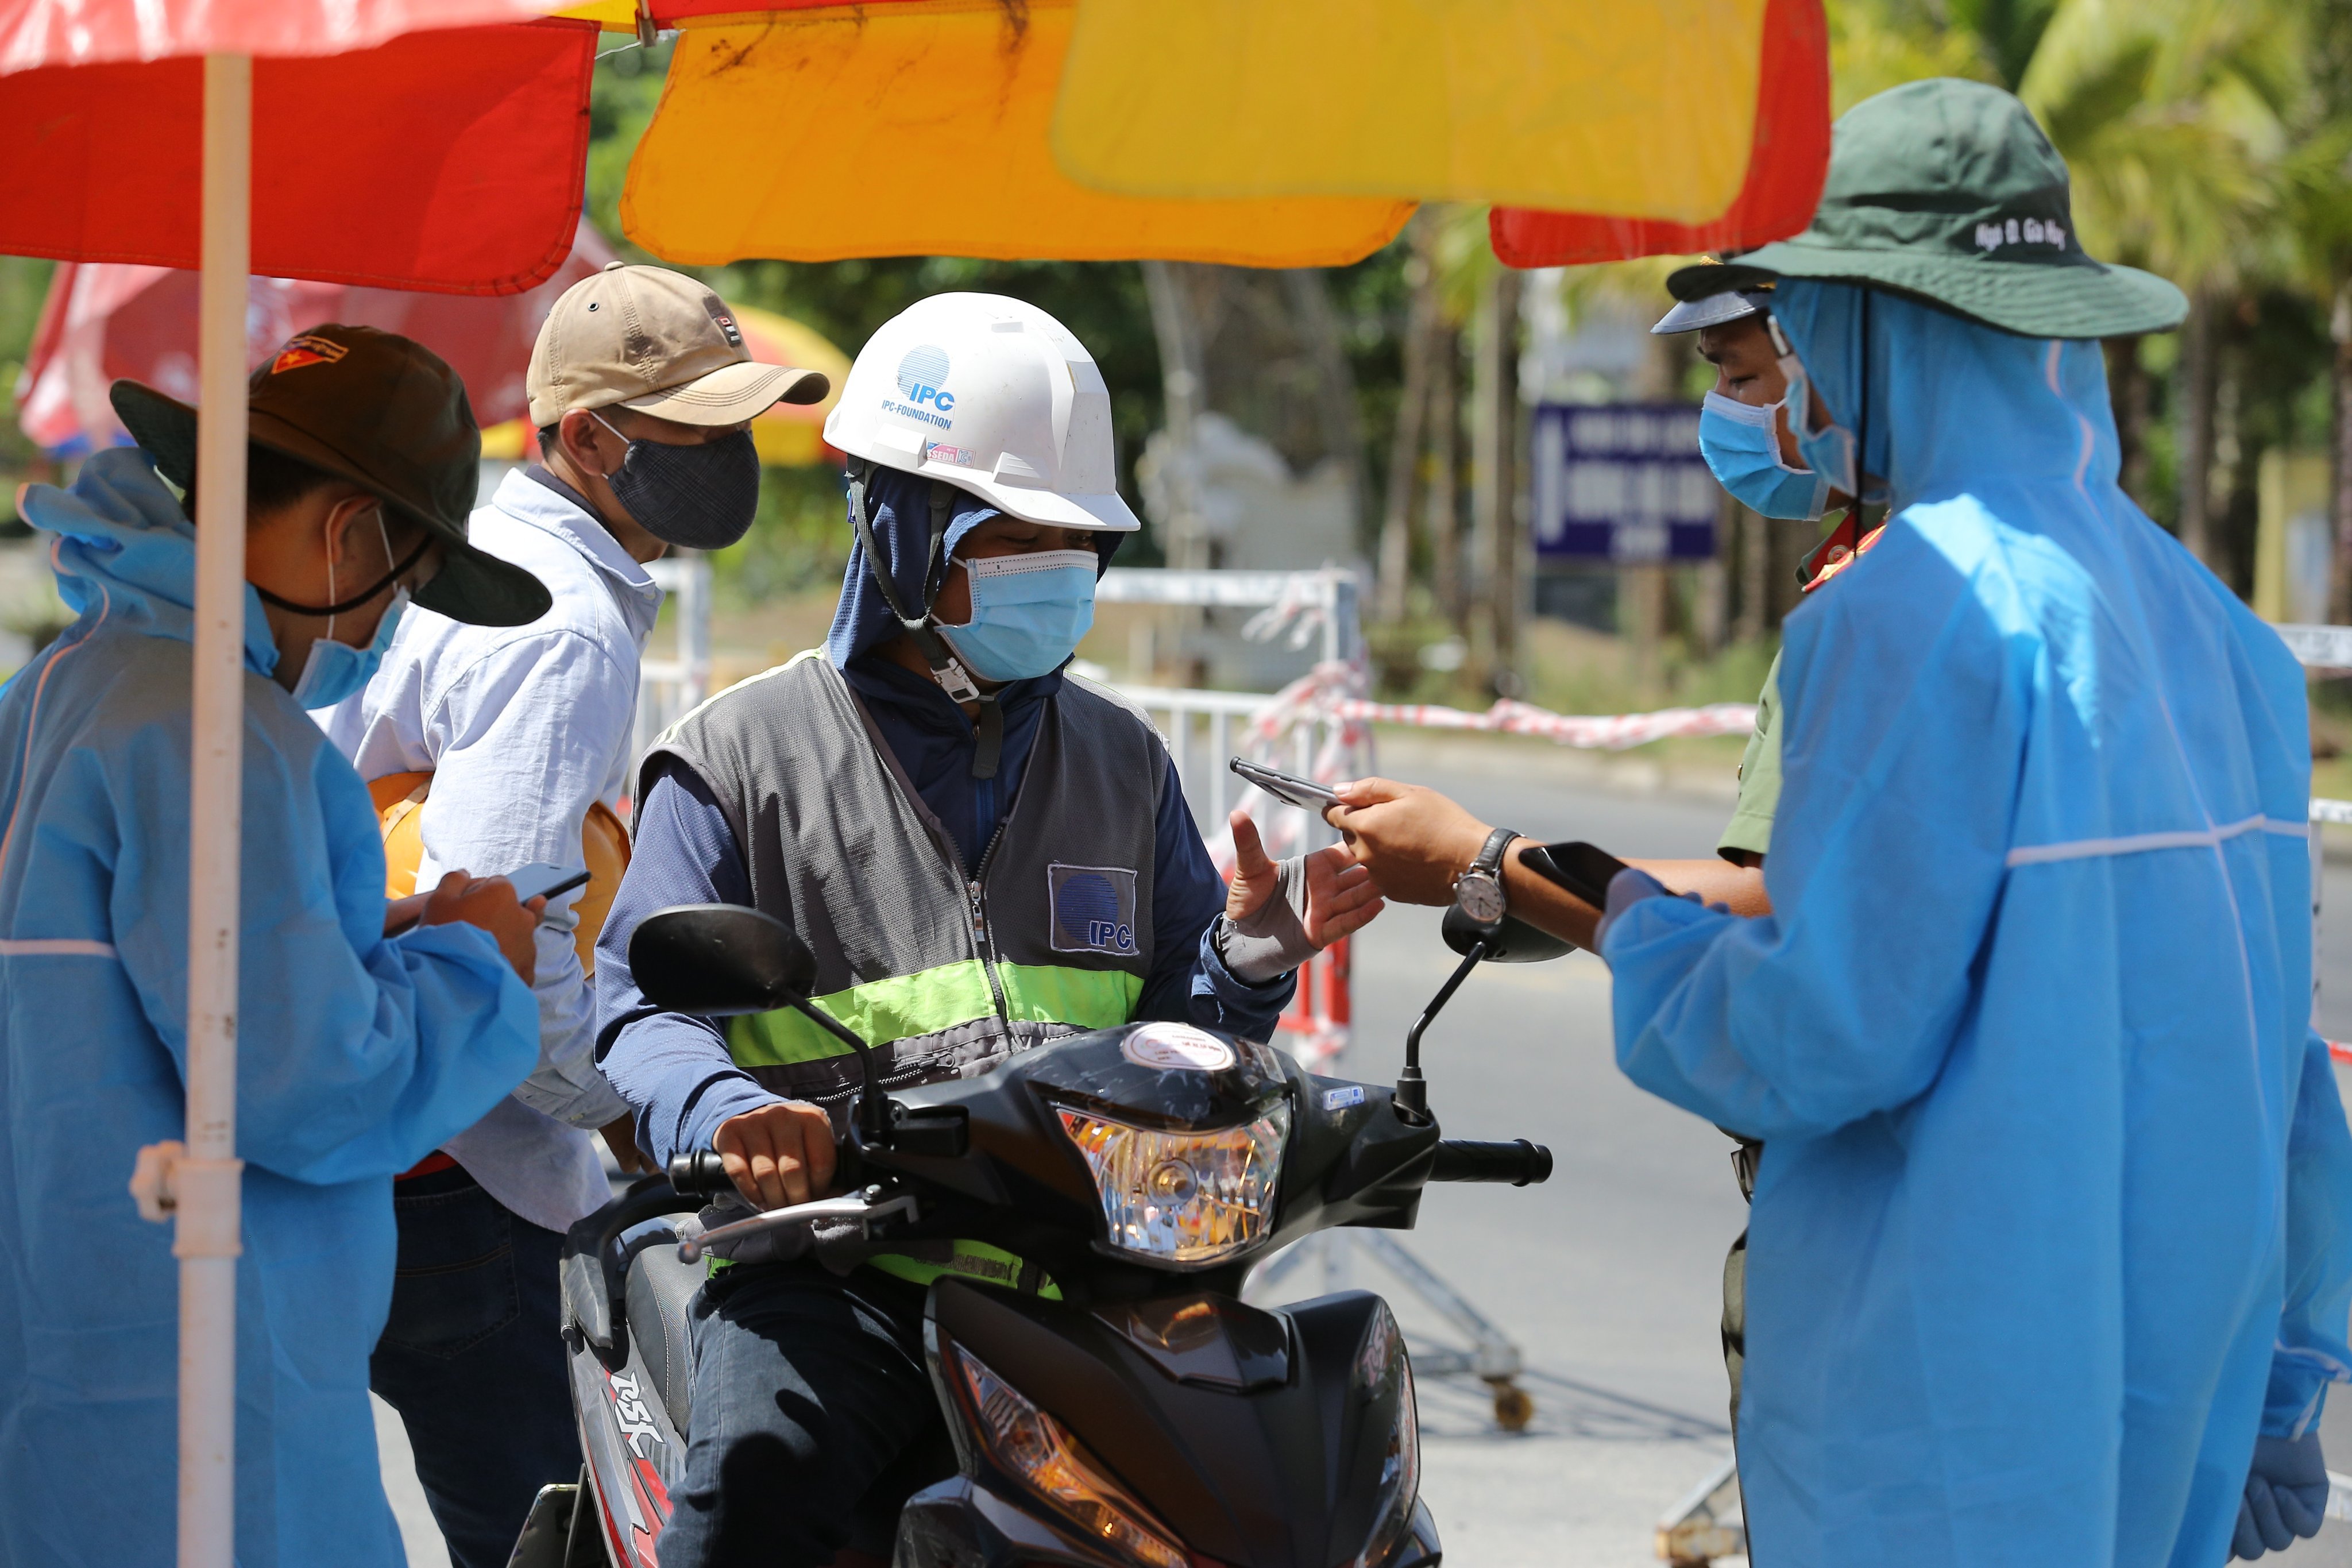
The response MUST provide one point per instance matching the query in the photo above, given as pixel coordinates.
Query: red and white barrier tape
(1611, 732)
(1335, 692)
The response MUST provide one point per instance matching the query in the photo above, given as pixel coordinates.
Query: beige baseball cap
(657, 342)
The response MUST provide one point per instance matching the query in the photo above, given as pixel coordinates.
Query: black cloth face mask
(702, 497)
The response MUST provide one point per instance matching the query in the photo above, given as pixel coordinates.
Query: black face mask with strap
(923, 629)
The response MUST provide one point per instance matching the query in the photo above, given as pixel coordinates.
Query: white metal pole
(205, 1183)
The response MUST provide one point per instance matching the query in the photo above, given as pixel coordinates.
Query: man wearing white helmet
(983, 851)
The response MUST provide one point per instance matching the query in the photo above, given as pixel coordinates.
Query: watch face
(1480, 896)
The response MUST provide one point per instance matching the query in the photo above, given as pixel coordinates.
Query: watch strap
(1490, 854)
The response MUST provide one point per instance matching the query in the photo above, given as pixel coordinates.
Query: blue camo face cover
(1743, 450)
(1028, 613)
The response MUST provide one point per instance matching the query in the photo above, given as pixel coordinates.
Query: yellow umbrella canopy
(920, 128)
(1643, 110)
(791, 434)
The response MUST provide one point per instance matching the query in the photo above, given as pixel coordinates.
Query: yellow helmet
(399, 798)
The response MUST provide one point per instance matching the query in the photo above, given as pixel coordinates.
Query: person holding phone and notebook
(357, 1051)
(2051, 1252)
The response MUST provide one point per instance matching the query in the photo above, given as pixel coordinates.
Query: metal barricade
(669, 688)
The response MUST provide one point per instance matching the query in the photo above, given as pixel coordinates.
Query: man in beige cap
(497, 748)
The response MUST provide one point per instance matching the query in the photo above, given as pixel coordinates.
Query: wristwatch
(1478, 892)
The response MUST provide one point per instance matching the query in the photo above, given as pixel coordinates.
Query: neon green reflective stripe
(1082, 998)
(880, 1011)
(974, 1260)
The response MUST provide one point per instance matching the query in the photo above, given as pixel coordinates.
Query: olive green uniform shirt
(1750, 828)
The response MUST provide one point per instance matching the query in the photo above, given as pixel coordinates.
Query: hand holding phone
(542, 880)
(537, 880)
(1584, 869)
(1289, 788)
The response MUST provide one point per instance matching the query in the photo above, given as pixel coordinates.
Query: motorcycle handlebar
(701, 1174)
(1517, 1161)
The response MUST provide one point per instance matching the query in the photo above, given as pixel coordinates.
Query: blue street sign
(1622, 482)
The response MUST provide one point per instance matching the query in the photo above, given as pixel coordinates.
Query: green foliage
(24, 284)
(799, 541)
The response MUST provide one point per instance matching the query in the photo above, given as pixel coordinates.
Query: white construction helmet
(993, 396)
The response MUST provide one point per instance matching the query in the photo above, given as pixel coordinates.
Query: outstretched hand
(1340, 896)
(1413, 841)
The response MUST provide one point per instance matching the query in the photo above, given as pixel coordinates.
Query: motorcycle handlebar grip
(701, 1174)
(1517, 1161)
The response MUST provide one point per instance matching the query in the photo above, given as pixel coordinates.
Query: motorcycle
(1138, 1414)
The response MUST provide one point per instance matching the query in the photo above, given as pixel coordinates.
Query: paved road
(1609, 1276)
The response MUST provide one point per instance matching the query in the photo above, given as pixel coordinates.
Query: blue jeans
(813, 1418)
(472, 1357)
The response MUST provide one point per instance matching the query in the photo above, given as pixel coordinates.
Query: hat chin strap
(923, 630)
(345, 606)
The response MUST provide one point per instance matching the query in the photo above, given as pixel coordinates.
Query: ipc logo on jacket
(1094, 909)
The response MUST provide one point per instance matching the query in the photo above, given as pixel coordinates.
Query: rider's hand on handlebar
(1413, 841)
(779, 1154)
(488, 903)
(1341, 897)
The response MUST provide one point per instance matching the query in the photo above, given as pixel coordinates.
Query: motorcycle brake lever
(691, 1249)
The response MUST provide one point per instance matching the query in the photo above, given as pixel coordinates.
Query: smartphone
(1287, 787)
(541, 880)
(1584, 869)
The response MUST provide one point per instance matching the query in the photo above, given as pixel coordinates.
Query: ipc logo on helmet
(921, 373)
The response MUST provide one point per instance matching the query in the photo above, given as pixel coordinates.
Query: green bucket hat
(1948, 191)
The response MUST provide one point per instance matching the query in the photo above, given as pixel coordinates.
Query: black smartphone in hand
(1584, 869)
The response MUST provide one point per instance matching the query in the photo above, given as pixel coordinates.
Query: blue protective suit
(356, 1057)
(2051, 1218)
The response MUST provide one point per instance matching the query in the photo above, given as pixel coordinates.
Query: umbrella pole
(205, 1183)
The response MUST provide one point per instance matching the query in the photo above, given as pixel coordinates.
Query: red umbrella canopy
(450, 161)
(87, 32)
(104, 320)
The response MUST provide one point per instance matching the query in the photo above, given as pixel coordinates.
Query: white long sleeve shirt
(523, 729)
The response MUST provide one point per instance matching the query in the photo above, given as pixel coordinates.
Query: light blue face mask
(334, 670)
(1028, 613)
(1829, 450)
(1743, 450)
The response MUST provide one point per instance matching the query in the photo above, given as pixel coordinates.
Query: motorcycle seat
(660, 1290)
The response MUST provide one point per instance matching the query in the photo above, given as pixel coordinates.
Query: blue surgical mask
(1028, 613)
(1828, 450)
(334, 670)
(1743, 450)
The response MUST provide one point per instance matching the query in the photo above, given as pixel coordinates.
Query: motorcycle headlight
(1381, 1357)
(1184, 1198)
(1039, 1451)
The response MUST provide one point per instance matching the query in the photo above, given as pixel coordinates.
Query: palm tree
(2176, 116)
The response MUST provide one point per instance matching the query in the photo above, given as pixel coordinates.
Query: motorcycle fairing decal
(630, 1414)
(645, 1498)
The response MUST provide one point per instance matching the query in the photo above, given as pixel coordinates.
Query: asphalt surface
(1609, 1277)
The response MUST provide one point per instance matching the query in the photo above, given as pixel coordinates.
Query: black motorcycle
(1136, 1415)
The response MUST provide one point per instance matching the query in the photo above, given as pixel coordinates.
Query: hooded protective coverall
(356, 1057)
(2052, 1217)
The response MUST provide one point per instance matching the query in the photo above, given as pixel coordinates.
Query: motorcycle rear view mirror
(1513, 940)
(713, 960)
(716, 960)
